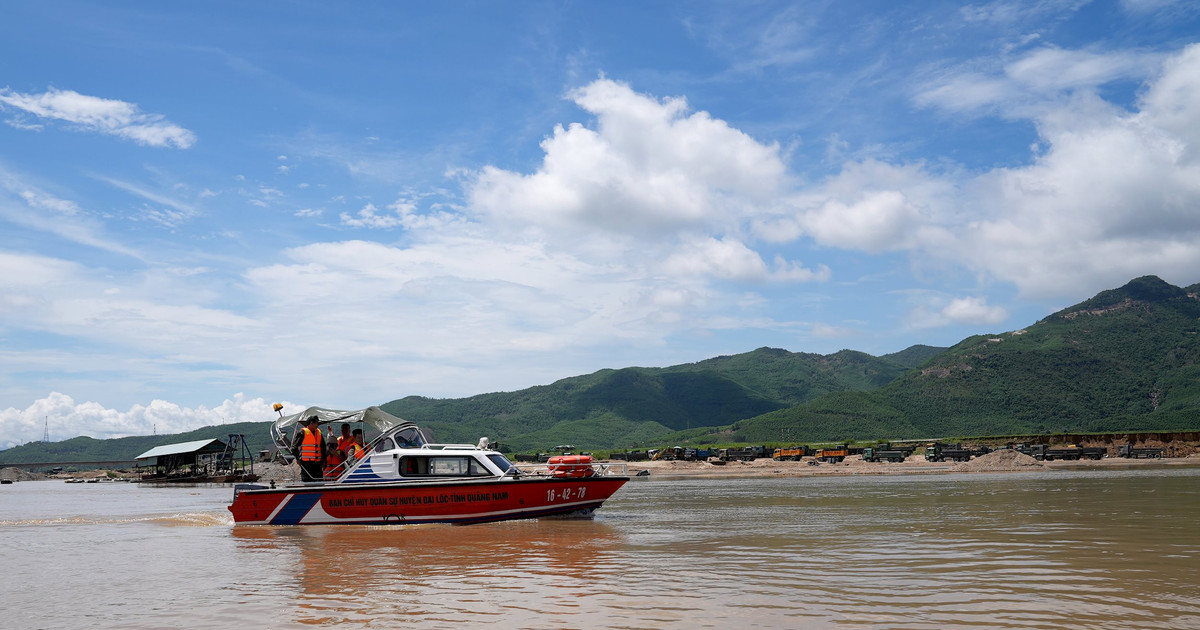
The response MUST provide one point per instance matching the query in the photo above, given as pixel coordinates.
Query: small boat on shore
(403, 478)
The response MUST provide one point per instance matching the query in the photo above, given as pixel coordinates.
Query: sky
(206, 208)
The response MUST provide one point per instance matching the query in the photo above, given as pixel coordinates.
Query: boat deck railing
(599, 469)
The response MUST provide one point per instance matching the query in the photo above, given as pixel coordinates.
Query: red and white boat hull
(441, 501)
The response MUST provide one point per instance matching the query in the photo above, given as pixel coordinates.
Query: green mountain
(618, 408)
(914, 356)
(1127, 359)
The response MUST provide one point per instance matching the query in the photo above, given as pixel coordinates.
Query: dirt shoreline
(1000, 461)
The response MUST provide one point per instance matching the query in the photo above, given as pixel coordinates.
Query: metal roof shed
(171, 459)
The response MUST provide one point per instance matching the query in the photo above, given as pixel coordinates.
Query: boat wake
(185, 519)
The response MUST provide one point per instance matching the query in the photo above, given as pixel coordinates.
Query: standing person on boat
(356, 450)
(344, 440)
(333, 459)
(309, 449)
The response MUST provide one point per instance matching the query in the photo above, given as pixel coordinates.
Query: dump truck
(1068, 452)
(833, 455)
(947, 452)
(1129, 451)
(878, 454)
(743, 453)
(792, 453)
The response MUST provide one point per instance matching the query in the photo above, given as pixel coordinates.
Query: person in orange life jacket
(309, 450)
(344, 440)
(333, 460)
(356, 449)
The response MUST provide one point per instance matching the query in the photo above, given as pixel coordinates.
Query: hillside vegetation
(1127, 359)
(631, 406)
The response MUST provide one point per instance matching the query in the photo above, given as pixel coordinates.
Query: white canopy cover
(374, 417)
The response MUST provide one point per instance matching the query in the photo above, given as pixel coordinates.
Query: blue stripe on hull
(297, 507)
(469, 520)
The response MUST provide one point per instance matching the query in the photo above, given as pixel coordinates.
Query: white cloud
(25, 204)
(148, 312)
(647, 168)
(1056, 69)
(165, 210)
(101, 115)
(404, 212)
(63, 418)
(869, 206)
(875, 222)
(38, 199)
(1112, 197)
(726, 259)
(369, 217)
(1032, 84)
(1109, 195)
(973, 310)
(935, 311)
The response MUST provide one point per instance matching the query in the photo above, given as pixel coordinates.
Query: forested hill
(1127, 359)
(631, 405)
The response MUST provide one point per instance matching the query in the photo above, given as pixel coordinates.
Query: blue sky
(209, 207)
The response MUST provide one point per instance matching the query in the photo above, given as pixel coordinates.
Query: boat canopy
(380, 420)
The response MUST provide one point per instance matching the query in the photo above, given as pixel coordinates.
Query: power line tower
(46, 434)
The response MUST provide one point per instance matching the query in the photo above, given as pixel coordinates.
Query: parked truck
(792, 453)
(947, 452)
(883, 454)
(743, 453)
(1128, 451)
(1068, 452)
(833, 455)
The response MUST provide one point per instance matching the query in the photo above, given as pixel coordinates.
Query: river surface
(1056, 549)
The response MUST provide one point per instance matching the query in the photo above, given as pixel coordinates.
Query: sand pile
(1000, 461)
(16, 474)
(271, 471)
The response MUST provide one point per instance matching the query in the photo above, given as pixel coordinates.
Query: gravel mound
(272, 471)
(16, 474)
(1000, 461)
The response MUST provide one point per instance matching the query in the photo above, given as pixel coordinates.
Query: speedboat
(404, 478)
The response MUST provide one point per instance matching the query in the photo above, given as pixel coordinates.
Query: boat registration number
(565, 494)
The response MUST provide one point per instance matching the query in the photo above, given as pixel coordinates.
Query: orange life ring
(570, 465)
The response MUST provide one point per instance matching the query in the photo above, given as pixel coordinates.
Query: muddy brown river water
(1050, 549)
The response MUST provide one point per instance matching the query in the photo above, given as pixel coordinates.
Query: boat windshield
(409, 437)
(501, 462)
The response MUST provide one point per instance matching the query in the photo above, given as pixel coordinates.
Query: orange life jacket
(333, 464)
(310, 448)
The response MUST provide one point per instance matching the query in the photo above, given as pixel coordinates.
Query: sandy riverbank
(999, 461)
